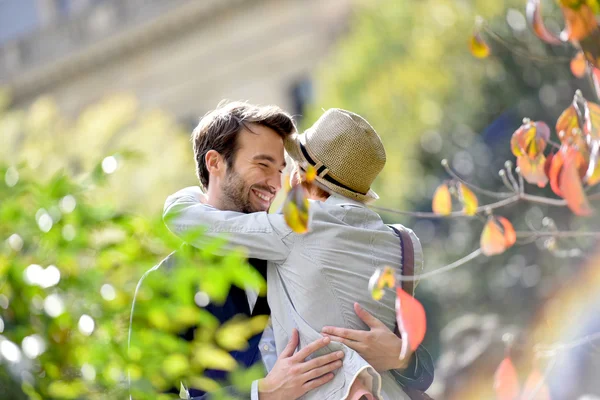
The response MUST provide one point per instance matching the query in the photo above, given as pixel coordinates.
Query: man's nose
(274, 182)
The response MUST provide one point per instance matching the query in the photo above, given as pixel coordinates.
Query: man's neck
(214, 198)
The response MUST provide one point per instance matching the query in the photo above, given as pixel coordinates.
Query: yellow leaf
(381, 279)
(175, 365)
(209, 356)
(233, 335)
(478, 46)
(442, 201)
(468, 199)
(311, 173)
(204, 383)
(295, 210)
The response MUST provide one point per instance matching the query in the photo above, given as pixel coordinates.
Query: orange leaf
(571, 186)
(468, 199)
(411, 319)
(579, 22)
(497, 236)
(579, 65)
(478, 46)
(534, 16)
(506, 382)
(533, 169)
(295, 209)
(535, 384)
(567, 124)
(530, 139)
(442, 201)
(510, 236)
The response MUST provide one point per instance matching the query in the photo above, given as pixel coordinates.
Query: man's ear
(215, 164)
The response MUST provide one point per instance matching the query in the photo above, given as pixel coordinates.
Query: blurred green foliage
(70, 261)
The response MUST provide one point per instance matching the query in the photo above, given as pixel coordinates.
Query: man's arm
(380, 347)
(265, 236)
(292, 376)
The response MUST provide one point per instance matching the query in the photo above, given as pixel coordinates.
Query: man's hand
(292, 376)
(379, 346)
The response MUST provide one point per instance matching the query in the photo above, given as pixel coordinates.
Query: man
(239, 157)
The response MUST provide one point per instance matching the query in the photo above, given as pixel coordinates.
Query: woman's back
(326, 272)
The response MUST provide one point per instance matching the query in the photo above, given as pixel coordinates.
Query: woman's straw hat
(345, 150)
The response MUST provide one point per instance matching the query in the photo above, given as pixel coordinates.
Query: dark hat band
(326, 176)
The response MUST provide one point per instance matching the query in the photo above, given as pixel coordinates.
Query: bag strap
(408, 258)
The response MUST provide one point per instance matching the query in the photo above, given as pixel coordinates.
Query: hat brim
(292, 147)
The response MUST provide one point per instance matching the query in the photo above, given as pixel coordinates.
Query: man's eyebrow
(267, 158)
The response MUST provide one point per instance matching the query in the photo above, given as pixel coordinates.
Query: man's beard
(236, 194)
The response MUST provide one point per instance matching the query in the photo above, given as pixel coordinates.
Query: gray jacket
(313, 279)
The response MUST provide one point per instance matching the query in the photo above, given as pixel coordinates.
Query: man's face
(254, 178)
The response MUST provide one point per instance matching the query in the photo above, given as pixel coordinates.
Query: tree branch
(441, 270)
(475, 188)
(550, 350)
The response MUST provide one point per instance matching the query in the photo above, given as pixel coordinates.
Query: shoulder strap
(408, 258)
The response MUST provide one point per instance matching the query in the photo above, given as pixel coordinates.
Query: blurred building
(181, 55)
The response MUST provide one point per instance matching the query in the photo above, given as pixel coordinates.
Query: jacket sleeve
(264, 236)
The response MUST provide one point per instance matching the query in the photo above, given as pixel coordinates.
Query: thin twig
(544, 200)
(419, 214)
(441, 270)
(502, 174)
(558, 234)
(521, 182)
(533, 394)
(511, 177)
(452, 173)
(554, 144)
(550, 350)
(514, 48)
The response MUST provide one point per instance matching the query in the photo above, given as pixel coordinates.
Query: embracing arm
(380, 347)
(265, 236)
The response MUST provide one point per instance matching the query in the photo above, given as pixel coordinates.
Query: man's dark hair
(218, 130)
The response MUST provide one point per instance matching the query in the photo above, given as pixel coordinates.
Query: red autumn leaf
(506, 382)
(410, 316)
(571, 187)
(554, 171)
(468, 199)
(580, 22)
(497, 236)
(535, 387)
(442, 201)
(579, 65)
(533, 169)
(534, 16)
(548, 163)
(478, 46)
